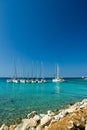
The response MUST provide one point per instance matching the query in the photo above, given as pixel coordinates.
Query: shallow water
(17, 100)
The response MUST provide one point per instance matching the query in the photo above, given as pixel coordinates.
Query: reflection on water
(17, 100)
(57, 89)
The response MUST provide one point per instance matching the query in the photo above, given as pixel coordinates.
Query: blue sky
(52, 31)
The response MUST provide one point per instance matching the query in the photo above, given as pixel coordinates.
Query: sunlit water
(17, 100)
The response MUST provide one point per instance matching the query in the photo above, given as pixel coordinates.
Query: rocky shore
(72, 118)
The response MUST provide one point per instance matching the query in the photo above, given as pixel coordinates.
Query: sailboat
(22, 80)
(13, 80)
(57, 79)
(42, 80)
(9, 80)
(33, 78)
(28, 80)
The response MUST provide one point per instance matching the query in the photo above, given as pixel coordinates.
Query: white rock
(42, 115)
(50, 113)
(45, 120)
(36, 118)
(32, 114)
(77, 104)
(4, 127)
(61, 115)
(84, 105)
(71, 125)
(84, 101)
(33, 129)
(46, 127)
(39, 127)
(86, 127)
(26, 124)
(69, 110)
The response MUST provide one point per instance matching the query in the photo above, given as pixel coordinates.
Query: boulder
(45, 120)
(12, 127)
(32, 114)
(86, 127)
(50, 113)
(70, 110)
(4, 127)
(84, 101)
(26, 124)
(36, 117)
(42, 115)
(61, 115)
(70, 125)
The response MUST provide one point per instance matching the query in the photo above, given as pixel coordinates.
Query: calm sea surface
(17, 100)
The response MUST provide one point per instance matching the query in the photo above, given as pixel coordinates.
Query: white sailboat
(84, 78)
(28, 79)
(33, 78)
(14, 79)
(9, 80)
(57, 79)
(42, 80)
(22, 80)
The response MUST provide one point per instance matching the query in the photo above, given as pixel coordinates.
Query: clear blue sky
(52, 31)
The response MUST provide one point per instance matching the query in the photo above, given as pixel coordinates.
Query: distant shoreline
(5, 77)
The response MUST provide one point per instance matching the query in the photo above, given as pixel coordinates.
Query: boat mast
(37, 70)
(22, 70)
(32, 73)
(41, 70)
(15, 71)
(57, 71)
(28, 74)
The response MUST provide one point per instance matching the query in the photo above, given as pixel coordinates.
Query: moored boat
(57, 78)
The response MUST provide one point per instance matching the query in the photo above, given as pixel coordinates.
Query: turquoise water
(17, 100)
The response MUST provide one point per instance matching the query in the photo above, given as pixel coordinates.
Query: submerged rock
(72, 118)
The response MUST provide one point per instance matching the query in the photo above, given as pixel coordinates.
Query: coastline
(73, 117)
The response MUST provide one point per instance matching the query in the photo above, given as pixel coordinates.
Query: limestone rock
(4, 127)
(50, 113)
(12, 127)
(36, 117)
(42, 115)
(70, 125)
(86, 127)
(32, 114)
(26, 124)
(45, 120)
(61, 115)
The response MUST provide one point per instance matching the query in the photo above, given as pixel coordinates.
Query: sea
(17, 100)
